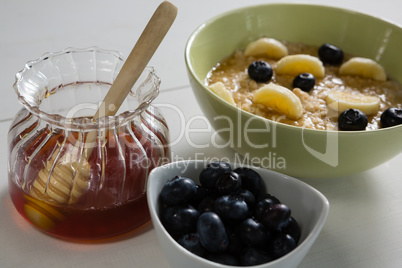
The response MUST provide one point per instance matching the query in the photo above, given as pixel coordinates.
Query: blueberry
(352, 119)
(276, 217)
(282, 244)
(231, 208)
(260, 71)
(223, 258)
(260, 208)
(192, 243)
(248, 198)
(228, 183)
(178, 190)
(236, 244)
(253, 233)
(180, 219)
(269, 196)
(391, 117)
(293, 229)
(304, 81)
(253, 256)
(330, 54)
(212, 232)
(201, 193)
(206, 204)
(251, 181)
(210, 174)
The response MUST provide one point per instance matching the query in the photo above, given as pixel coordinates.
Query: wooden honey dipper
(64, 181)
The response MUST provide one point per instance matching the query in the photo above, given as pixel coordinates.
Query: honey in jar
(64, 183)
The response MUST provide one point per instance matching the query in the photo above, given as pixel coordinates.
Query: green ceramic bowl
(293, 150)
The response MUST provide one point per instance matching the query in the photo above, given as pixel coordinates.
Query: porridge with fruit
(308, 86)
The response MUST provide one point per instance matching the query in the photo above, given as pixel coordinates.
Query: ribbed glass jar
(69, 175)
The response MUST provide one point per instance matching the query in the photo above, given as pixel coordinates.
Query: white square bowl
(309, 207)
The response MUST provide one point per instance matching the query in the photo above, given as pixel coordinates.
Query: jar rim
(144, 100)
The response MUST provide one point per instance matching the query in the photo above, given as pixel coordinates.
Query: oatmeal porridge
(316, 111)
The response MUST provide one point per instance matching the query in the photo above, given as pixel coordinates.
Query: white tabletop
(363, 227)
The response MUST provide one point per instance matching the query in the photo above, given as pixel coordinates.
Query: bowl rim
(211, 20)
(309, 239)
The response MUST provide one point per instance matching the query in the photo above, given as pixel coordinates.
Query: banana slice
(219, 89)
(340, 101)
(265, 46)
(300, 63)
(280, 99)
(363, 67)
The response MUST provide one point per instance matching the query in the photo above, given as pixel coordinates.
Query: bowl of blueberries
(219, 214)
(310, 91)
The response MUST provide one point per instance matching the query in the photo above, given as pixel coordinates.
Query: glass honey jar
(62, 181)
